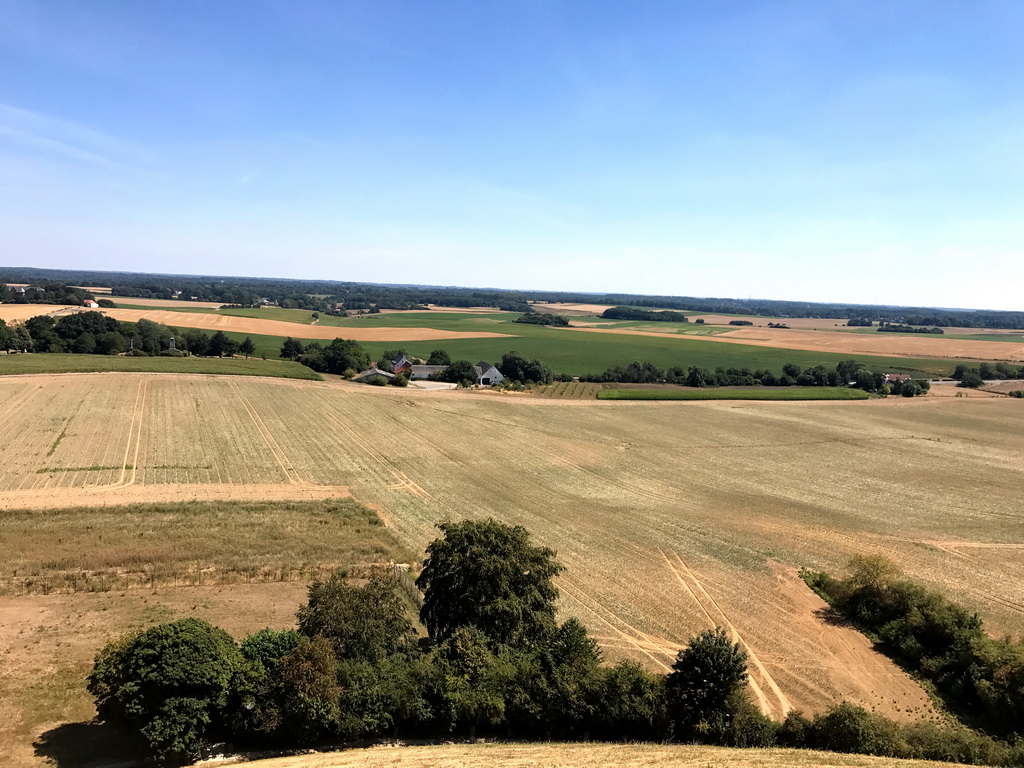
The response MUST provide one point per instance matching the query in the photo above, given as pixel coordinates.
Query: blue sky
(834, 151)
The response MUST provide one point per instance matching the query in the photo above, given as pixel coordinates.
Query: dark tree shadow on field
(832, 617)
(85, 745)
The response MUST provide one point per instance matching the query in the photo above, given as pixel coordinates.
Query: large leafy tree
(702, 689)
(170, 683)
(488, 575)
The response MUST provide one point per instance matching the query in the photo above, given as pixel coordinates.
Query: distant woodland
(335, 296)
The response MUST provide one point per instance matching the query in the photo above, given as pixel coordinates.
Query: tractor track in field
(634, 641)
(707, 603)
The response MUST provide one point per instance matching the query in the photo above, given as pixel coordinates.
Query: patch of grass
(96, 549)
(727, 393)
(56, 443)
(68, 363)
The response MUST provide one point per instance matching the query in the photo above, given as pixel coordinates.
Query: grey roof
(369, 373)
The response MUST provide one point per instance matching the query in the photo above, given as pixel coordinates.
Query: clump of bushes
(976, 675)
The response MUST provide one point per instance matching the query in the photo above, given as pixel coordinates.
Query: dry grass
(98, 549)
(669, 518)
(592, 755)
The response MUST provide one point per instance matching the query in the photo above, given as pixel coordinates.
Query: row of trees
(979, 677)
(975, 376)
(495, 661)
(93, 333)
(901, 328)
(846, 373)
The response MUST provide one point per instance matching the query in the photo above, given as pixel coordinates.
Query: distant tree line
(860, 322)
(979, 677)
(846, 373)
(632, 313)
(495, 661)
(900, 328)
(324, 295)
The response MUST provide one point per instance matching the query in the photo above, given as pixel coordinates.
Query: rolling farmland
(670, 517)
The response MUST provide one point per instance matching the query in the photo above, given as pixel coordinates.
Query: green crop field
(729, 393)
(66, 363)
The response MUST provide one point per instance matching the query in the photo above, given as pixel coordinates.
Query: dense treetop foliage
(634, 313)
(540, 318)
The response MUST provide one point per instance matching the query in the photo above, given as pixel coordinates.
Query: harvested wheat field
(16, 313)
(165, 302)
(839, 342)
(594, 755)
(561, 308)
(669, 517)
(257, 325)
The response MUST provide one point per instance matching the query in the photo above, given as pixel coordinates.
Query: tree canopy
(488, 575)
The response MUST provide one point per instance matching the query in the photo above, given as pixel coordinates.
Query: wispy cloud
(68, 139)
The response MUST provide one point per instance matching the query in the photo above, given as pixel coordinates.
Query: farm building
(401, 364)
(487, 374)
(892, 378)
(364, 376)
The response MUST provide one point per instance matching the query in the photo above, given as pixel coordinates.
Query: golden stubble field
(669, 517)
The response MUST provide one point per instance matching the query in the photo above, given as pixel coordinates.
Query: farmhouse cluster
(486, 373)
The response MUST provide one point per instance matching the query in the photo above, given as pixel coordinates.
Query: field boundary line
(268, 438)
(782, 699)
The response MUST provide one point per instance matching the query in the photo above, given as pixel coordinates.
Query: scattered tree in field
(222, 345)
(488, 575)
(247, 347)
(291, 349)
